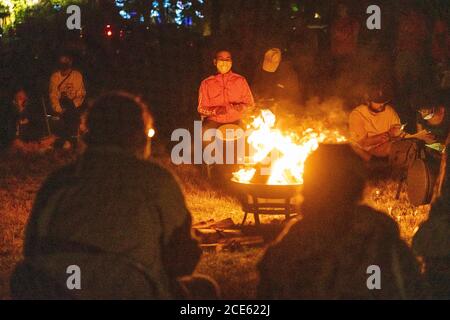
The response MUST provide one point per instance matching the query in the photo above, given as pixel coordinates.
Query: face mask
(429, 116)
(224, 66)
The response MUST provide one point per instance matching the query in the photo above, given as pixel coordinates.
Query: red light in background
(108, 30)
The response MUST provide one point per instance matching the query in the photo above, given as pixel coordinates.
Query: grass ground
(20, 178)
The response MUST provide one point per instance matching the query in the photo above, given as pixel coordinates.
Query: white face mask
(429, 116)
(224, 66)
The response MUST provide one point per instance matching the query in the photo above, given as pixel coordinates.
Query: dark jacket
(116, 217)
(9, 117)
(315, 259)
(281, 85)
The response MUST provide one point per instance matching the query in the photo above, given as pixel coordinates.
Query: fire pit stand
(266, 199)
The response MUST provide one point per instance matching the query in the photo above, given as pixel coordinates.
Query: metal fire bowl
(268, 191)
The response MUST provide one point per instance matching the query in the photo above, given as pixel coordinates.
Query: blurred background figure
(410, 58)
(67, 93)
(440, 50)
(326, 255)
(344, 32)
(21, 125)
(275, 80)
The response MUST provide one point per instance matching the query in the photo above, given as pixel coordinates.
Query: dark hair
(216, 52)
(378, 93)
(334, 176)
(16, 89)
(116, 119)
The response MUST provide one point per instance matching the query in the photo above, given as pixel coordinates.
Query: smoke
(327, 116)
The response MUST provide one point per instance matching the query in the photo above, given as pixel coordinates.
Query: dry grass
(20, 178)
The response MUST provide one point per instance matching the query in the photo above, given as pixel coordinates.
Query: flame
(284, 153)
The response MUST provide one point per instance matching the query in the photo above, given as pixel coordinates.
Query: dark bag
(404, 153)
(65, 102)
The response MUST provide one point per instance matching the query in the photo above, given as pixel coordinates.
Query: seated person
(432, 240)
(224, 97)
(375, 126)
(117, 216)
(326, 255)
(67, 94)
(433, 117)
(20, 127)
(275, 80)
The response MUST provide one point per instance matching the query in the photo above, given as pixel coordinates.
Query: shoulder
(58, 178)
(158, 176)
(55, 75)
(237, 77)
(391, 109)
(369, 219)
(209, 79)
(77, 74)
(359, 111)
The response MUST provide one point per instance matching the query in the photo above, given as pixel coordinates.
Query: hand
(220, 111)
(239, 107)
(383, 138)
(395, 131)
(425, 136)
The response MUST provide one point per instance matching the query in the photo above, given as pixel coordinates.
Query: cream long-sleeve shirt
(73, 87)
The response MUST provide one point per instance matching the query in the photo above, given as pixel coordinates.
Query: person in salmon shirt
(223, 97)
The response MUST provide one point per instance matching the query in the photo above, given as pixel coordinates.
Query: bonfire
(280, 155)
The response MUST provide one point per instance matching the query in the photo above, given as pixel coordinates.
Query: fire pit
(259, 198)
(271, 179)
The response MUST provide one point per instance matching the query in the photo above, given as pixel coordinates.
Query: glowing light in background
(180, 12)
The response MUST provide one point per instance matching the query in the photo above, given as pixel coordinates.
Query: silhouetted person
(117, 216)
(20, 126)
(275, 80)
(67, 93)
(344, 32)
(432, 240)
(433, 115)
(410, 60)
(327, 254)
(440, 51)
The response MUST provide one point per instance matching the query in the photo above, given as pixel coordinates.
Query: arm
(54, 94)
(360, 136)
(246, 99)
(40, 213)
(80, 92)
(204, 104)
(181, 252)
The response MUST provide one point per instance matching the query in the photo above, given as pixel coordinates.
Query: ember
(278, 154)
